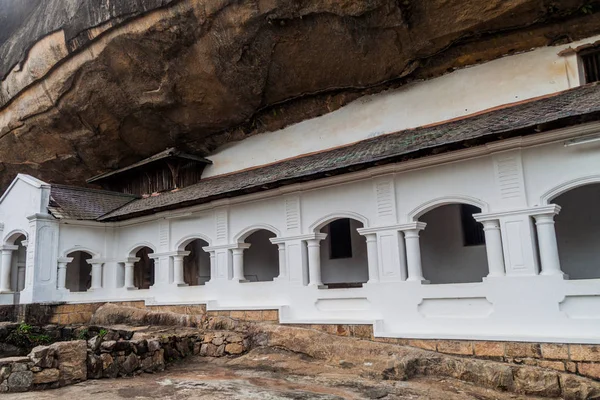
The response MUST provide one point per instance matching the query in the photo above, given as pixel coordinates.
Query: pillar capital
(239, 249)
(370, 237)
(544, 219)
(412, 228)
(129, 260)
(490, 224)
(64, 260)
(546, 211)
(8, 248)
(96, 261)
(315, 240)
(180, 255)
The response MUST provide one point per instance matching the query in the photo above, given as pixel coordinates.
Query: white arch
(564, 187)
(241, 236)
(316, 226)
(180, 246)
(442, 201)
(10, 238)
(91, 252)
(138, 247)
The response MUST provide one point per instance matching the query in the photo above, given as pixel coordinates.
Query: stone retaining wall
(111, 354)
(579, 359)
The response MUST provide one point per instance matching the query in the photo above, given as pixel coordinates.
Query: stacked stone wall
(111, 354)
(580, 359)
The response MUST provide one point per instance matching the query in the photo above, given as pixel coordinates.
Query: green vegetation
(83, 334)
(23, 337)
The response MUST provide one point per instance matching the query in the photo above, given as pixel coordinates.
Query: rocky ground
(266, 373)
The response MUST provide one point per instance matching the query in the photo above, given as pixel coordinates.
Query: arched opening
(453, 245)
(79, 272)
(261, 260)
(17, 267)
(578, 232)
(196, 265)
(143, 270)
(344, 255)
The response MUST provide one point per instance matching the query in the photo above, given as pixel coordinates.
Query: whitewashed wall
(522, 306)
(507, 80)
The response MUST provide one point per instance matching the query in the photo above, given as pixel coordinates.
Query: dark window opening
(591, 65)
(340, 239)
(472, 230)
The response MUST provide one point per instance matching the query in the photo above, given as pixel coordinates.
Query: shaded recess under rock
(93, 86)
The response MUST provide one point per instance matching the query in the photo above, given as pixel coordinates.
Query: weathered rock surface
(71, 361)
(87, 86)
(401, 363)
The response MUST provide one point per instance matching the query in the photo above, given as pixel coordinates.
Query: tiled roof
(84, 204)
(492, 125)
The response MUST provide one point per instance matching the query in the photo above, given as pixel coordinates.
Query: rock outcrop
(89, 86)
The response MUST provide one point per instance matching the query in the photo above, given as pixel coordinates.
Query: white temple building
(462, 207)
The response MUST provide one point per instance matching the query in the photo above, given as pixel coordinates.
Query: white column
(372, 257)
(282, 261)
(96, 274)
(129, 281)
(314, 260)
(493, 248)
(7, 251)
(402, 256)
(213, 265)
(28, 265)
(178, 273)
(413, 252)
(238, 262)
(61, 277)
(547, 243)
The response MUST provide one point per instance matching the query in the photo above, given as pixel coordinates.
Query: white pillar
(28, 265)
(238, 262)
(282, 261)
(372, 257)
(128, 265)
(7, 251)
(178, 272)
(61, 277)
(314, 260)
(402, 256)
(96, 274)
(547, 243)
(413, 252)
(213, 265)
(493, 248)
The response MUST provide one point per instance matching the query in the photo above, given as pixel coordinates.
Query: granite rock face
(88, 86)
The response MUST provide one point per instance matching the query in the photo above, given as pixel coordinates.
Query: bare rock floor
(265, 374)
